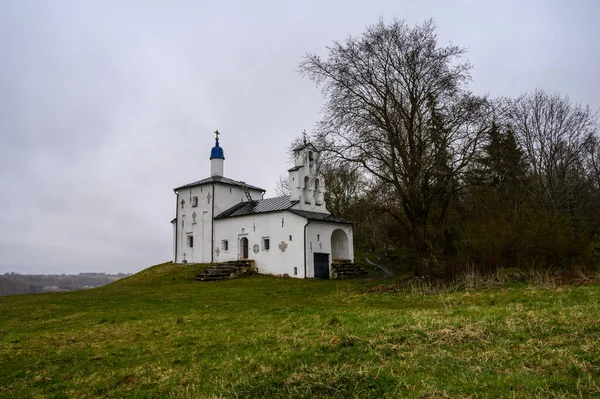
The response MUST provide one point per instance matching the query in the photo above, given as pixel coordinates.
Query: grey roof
(274, 205)
(260, 206)
(219, 179)
(303, 146)
(295, 168)
(324, 217)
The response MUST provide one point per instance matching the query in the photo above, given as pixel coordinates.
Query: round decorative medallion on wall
(255, 248)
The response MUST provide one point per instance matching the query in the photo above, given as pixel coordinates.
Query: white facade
(283, 254)
(332, 239)
(196, 208)
(296, 235)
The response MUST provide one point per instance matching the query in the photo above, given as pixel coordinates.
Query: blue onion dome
(217, 152)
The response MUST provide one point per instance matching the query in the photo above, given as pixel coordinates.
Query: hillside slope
(161, 334)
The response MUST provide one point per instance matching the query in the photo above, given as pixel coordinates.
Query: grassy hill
(161, 334)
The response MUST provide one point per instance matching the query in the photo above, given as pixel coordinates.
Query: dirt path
(388, 272)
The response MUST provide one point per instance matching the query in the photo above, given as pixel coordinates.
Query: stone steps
(226, 270)
(222, 269)
(345, 269)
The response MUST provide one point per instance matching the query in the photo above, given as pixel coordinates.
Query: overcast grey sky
(106, 106)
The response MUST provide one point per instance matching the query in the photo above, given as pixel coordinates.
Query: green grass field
(161, 334)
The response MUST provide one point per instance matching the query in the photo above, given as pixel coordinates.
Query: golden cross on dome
(217, 134)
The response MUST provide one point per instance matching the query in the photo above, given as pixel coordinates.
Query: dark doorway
(321, 265)
(244, 248)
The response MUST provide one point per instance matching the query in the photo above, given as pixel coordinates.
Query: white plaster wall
(223, 198)
(227, 196)
(216, 167)
(198, 227)
(174, 241)
(318, 239)
(298, 158)
(254, 228)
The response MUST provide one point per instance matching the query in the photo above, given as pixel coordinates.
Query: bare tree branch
(398, 107)
(554, 134)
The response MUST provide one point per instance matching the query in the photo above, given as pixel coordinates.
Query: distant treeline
(14, 284)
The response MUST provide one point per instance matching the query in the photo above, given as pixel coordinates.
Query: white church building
(219, 219)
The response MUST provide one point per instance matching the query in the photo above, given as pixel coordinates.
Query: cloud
(106, 106)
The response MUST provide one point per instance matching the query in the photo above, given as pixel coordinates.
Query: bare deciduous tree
(594, 161)
(282, 186)
(397, 105)
(344, 185)
(554, 134)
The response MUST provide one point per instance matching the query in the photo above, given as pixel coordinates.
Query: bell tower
(305, 180)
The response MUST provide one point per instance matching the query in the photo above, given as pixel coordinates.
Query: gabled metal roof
(324, 217)
(274, 205)
(219, 179)
(260, 206)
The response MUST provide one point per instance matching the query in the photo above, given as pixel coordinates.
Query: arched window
(316, 193)
(306, 190)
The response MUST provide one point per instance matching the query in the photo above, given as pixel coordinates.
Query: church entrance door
(244, 248)
(321, 265)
